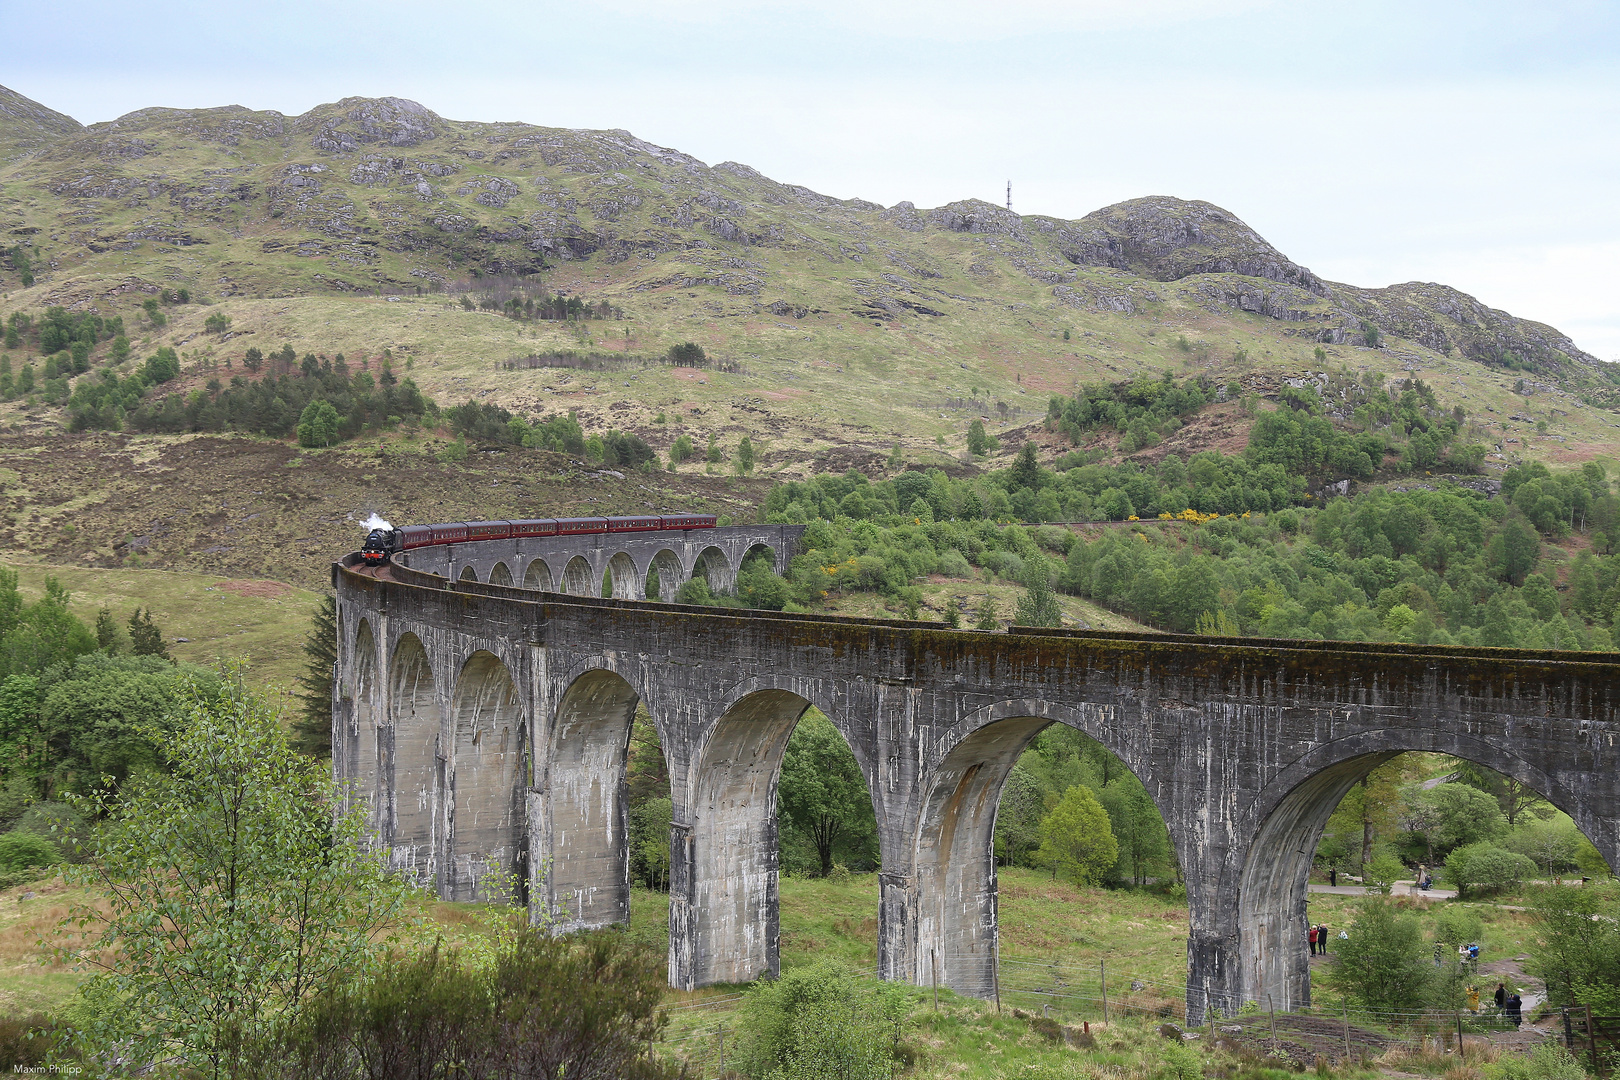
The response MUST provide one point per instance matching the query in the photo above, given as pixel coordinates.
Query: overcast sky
(1472, 143)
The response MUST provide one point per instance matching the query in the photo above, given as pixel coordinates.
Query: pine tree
(312, 730)
(146, 639)
(107, 632)
(1026, 470)
(988, 615)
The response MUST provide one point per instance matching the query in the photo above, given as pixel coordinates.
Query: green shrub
(28, 1042)
(1458, 926)
(1549, 1061)
(688, 354)
(1178, 1061)
(1384, 870)
(26, 851)
(1486, 867)
(820, 1023)
(695, 591)
(571, 1006)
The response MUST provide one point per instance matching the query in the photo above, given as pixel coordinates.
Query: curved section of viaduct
(486, 728)
(577, 564)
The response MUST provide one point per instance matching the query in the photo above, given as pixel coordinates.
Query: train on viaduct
(485, 691)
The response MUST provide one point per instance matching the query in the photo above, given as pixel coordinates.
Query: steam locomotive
(383, 544)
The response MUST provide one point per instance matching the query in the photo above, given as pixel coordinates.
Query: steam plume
(376, 521)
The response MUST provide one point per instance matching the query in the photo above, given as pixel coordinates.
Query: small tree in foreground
(989, 617)
(1578, 947)
(233, 888)
(1384, 963)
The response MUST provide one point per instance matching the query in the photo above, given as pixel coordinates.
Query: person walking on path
(1501, 995)
(1515, 1013)
(1312, 936)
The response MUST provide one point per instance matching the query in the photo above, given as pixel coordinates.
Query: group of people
(1508, 1003)
(1467, 956)
(1511, 1004)
(1318, 937)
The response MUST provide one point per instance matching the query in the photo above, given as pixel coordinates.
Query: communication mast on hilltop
(1009, 194)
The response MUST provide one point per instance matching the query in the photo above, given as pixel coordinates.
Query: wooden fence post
(1591, 1040)
(995, 976)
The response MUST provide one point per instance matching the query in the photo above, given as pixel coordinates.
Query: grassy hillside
(357, 227)
(250, 508)
(206, 618)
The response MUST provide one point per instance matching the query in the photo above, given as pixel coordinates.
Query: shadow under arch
(468, 574)
(415, 812)
(716, 570)
(667, 565)
(588, 881)
(765, 549)
(500, 574)
(486, 782)
(359, 736)
(626, 579)
(724, 908)
(955, 922)
(576, 580)
(538, 576)
(1292, 812)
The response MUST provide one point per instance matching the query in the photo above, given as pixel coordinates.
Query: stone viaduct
(486, 724)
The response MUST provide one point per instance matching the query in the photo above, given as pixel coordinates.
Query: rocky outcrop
(1445, 319)
(355, 122)
(1288, 303)
(976, 216)
(1168, 239)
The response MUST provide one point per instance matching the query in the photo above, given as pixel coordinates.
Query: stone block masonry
(486, 725)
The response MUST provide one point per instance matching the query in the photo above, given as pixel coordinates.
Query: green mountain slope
(27, 126)
(849, 325)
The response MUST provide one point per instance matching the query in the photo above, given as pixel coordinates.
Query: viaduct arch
(1245, 746)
